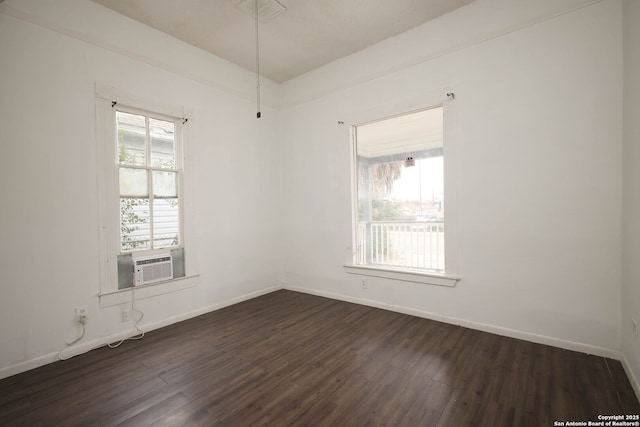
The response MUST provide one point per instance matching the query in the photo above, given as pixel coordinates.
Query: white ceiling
(309, 34)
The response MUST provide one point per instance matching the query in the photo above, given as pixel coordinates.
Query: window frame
(107, 99)
(179, 169)
(450, 276)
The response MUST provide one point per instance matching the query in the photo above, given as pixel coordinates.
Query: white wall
(631, 207)
(538, 135)
(48, 173)
(482, 20)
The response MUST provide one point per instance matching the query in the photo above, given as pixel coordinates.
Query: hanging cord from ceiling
(258, 114)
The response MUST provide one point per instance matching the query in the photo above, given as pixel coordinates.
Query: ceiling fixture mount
(267, 9)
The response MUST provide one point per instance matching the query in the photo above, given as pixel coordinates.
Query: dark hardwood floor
(293, 359)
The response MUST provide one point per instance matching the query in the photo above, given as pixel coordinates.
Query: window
(145, 203)
(149, 174)
(399, 200)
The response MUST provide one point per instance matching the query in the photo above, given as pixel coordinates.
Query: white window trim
(422, 101)
(122, 296)
(404, 274)
(108, 191)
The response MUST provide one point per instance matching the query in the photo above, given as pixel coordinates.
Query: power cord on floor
(82, 320)
(140, 333)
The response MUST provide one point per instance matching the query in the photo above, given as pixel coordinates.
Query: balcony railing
(418, 245)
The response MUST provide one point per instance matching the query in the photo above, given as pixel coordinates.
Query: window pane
(166, 222)
(134, 224)
(401, 191)
(165, 184)
(163, 147)
(131, 131)
(133, 183)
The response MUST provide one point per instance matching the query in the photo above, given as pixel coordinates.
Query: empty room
(319, 213)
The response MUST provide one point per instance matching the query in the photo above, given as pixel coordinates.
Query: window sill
(122, 296)
(404, 275)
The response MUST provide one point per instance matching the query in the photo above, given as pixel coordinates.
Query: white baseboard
(631, 375)
(100, 342)
(498, 330)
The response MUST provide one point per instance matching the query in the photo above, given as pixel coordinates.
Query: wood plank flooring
(293, 359)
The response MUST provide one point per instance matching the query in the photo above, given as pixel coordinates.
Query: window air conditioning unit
(152, 269)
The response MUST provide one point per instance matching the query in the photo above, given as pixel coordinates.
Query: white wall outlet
(363, 283)
(81, 311)
(126, 316)
(635, 326)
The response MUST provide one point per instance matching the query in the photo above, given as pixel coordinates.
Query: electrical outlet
(363, 283)
(635, 326)
(81, 311)
(126, 316)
